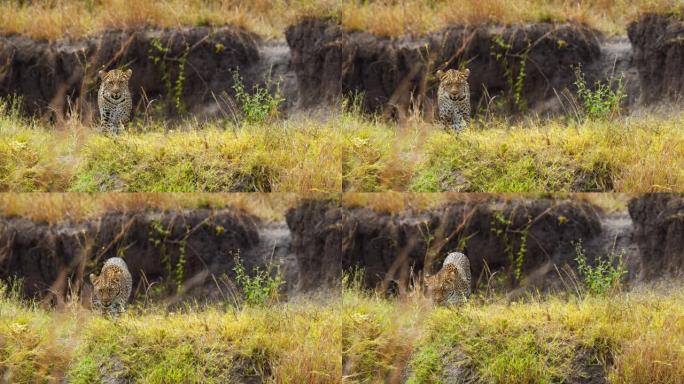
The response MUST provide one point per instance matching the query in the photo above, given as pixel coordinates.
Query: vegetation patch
(538, 339)
(283, 343)
(282, 156)
(56, 19)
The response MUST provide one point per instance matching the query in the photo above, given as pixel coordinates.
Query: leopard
(453, 98)
(114, 100)
(451, 285)
(112, 287)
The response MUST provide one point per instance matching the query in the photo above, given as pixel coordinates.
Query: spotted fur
(451, 285)
(453, 98)
(112, 288)
(114, 100)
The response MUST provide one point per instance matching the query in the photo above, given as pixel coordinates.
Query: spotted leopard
(112, 288)
(453, 98)
(114, 100)
(451, 285)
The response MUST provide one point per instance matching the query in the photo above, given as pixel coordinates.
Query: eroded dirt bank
(60, 75)
(524, 237)
(659, 232)
(392, 73)
(186, 247)
(658, 51)
(514, 68)
(511, 243)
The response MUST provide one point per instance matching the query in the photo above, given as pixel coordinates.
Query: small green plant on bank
(159, 237)
(605, 277)
(501, 228)
(260, 105)
(158, 53)
(263, 288)
(604, 101)
(515, 82)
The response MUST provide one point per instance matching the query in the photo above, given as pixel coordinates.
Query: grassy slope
(629, 338)
(269, 18)
(288, 343)
(624, 155)
(281, 157)
(347, 152)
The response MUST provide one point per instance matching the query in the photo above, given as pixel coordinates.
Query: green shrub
(263, 288)
(606, 276)
(260, 105)
(604, 101)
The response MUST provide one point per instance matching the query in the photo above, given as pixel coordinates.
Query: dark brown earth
(46, 256)
(56, 76)
(658, 51)
(320, 239)
(317, 240)
(391, 248)
(514, 68)
(659, 232)
(394, 72)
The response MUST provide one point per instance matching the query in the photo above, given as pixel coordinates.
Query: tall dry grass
(55, 207)
(54, 19)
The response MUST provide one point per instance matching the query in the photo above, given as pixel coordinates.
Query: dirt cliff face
(55, 76)
(184, 246)
(316, 227)
(529, 61)
(659, 232)
(504, 236)
(658, 53)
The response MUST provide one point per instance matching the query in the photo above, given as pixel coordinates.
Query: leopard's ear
(128, 73)
(466, 72)
(440, 74)
(93, 278)
(101, 74)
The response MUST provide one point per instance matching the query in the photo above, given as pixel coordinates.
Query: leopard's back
(451, 285)
(113, 286)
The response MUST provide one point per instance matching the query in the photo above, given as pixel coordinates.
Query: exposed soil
(659, 233)
(658, 42)
(55, 76)
(47, 256)
(514, 68)
(316, 227)
(393, 249)
(393, 73)
(320, 239)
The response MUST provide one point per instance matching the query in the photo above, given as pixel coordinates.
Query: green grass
(628, 338)
(285, 156)
(621, 155)
(347, 151)
(285, 343)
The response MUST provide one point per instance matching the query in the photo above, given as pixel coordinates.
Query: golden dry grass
(54, 207)
(632, 337)
(285, 343)
(282, 156)
(53, 19)
(401, 202)
(624, 154)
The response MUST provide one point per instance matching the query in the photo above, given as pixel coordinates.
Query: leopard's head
(436, 284)
(115, 83)
(454, 81)
(107, 286)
